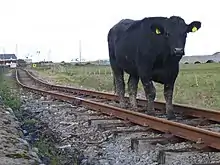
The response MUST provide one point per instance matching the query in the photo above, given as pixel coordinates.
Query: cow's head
(175, 31)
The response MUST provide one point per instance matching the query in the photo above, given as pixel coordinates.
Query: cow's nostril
(179, 51)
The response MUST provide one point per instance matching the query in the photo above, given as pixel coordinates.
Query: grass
(47, 149)
(7, 92)
(197, 84)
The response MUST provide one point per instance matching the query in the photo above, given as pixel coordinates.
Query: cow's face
(175, 31)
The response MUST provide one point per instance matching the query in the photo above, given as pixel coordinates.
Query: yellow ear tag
(157, 31)
(194, 29)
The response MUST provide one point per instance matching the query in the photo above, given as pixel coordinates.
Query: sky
(54, 27)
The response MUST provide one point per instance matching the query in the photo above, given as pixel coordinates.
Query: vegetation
(8, 95)
(11, 98)
(197, 84)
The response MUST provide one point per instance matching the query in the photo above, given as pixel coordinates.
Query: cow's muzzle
(178, 51)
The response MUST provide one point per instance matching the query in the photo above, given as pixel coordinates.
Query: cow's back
(119, 29)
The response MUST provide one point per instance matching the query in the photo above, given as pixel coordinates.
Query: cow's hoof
(171, 116)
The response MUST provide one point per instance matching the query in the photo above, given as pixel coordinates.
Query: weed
(9, 96)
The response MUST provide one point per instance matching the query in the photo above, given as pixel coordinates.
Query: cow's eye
(157, 31)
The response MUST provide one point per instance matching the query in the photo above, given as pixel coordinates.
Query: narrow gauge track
(192, 133)
(202, 113)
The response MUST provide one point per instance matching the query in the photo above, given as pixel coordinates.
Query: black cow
(149, 49)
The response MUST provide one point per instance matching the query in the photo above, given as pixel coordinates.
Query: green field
(197, 84)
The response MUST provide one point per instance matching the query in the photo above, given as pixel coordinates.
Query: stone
(7, 112)
(42, 98)
(10, 110)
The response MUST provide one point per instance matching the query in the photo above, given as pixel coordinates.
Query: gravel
(96, 146)
(99, 146)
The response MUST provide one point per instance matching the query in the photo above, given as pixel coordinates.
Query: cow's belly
(130, 69)
(128, 66)
(160, 76)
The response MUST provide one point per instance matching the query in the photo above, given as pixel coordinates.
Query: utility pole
(16, 50)
(48, 55)
(38, 53)
(80, 52)
(4, 54)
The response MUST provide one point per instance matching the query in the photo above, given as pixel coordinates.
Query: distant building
(101, 62)
(8, 59)
(201, 59)
(185, 59)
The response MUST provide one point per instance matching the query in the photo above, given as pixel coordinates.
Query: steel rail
(209, 138)
(209, 114)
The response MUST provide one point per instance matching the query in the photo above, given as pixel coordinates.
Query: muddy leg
(120, 88)
(114, 85)
(153, 92)
(150, 93)
(168, 95)
(132, 90)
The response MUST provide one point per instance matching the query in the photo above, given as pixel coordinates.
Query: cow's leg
(114, 84)
(150, 93)
(132, 90)
(120, 86)
(168, 95)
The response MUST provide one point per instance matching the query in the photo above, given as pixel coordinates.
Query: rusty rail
(209, 138)
(208, 114)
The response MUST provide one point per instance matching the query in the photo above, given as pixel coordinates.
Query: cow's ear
(194, 26)
(157, 29)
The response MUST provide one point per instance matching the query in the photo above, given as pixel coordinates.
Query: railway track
(201, 127)
(182, 110)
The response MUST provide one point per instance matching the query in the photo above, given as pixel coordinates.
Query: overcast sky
(60, 24)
